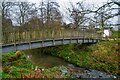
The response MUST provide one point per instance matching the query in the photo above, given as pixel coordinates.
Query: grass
(115, 34)
(15, 65)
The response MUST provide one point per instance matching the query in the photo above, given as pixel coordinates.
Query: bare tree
(49, 12)
(100, 17)
(77, 14)
(6, 21)
(104, 13)
(22, 11)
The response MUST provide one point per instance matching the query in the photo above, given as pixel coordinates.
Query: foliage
(115, 34)
(105, 55)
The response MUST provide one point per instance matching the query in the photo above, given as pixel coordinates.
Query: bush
(105, 56)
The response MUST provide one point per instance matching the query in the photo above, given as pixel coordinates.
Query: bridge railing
(44, 34)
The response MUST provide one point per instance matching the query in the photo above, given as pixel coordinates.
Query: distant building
(107, 31)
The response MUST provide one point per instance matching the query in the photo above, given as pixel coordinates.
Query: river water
(45, 60)
(48, 61)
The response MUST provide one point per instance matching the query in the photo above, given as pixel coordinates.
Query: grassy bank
(15, 65)
(101, 56)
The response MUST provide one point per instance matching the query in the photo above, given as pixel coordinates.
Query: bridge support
(70, 40)
(30, 44)
(83, 40)
(78, 40)
(53, 41)
(42, 43)
(15, 47)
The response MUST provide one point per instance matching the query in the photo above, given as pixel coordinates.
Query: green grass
(16, 67)
(116, 34)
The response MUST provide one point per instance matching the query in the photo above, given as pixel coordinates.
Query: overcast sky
(61, 1)
(66, 4)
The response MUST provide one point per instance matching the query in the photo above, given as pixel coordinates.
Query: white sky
(60, 1)
(65, 3)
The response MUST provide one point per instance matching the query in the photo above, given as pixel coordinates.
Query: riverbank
(101, 56)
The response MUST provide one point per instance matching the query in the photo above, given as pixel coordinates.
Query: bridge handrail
(22, 36)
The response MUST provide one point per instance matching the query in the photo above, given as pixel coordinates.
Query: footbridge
(22, 40)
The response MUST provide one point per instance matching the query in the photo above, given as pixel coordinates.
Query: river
(48, 61)
(45, 60)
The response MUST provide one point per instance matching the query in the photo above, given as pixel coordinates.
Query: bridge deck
(40, 43)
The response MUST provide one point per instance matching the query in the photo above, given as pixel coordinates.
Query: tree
(104, 13)
(100, 16)
(6, 21)
(49, 12)
(22, 12)
(77, 14)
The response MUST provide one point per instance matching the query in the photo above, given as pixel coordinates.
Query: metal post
(71, 37)
(43, 43)
(14, 40)
(30, 39)
(42, 38)
(78, 36)
(63, 38)
(53, 41)
(83, 35)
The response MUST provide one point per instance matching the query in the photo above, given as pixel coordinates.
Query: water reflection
(45, 60)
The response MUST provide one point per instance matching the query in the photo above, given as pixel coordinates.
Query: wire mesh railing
(44, 34)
